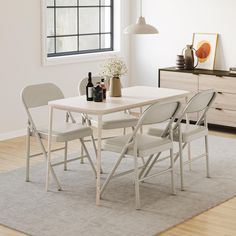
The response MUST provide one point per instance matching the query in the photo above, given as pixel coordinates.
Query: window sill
(80, 58)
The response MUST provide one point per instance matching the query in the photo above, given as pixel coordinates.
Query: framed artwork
(205, 45)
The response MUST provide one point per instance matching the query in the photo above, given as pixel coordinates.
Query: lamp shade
(141, 27)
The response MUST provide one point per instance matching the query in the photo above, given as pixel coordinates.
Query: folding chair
(184, 134)
(36, 96)
(143, 145)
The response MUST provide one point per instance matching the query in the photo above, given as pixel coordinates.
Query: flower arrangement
(113, 67)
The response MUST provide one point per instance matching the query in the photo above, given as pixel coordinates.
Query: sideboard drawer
(225, 101)
(222, 117)
(221, 84)
(184, 81)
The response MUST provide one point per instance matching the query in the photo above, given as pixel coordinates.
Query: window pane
(106, 2)
(78, 26)
(50, 45)
(50, 3)
(89, 20)
(89, 2)
(66, 21)
(50, 22)
(89, 42)
(66, 2)
(66, 44)
(105, 19)
(106, 41)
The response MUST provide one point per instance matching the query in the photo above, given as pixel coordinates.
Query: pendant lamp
(141, 27)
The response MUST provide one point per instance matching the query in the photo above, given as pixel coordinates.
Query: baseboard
(12, 134)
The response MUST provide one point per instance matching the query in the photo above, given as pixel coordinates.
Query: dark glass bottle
(97, 93)
(104, 89)
(89, 88)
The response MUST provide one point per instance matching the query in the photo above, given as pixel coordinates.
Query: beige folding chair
(36, 96)
(143, 145)
(185, 133)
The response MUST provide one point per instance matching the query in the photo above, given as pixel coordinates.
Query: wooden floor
(219, 221)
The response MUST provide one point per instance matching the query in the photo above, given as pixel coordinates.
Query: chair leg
(88, 156)
(137, 192)
(82, 153)
(181, 165)
(124, 131)
(207, 157)
(50, 166)
(27, 155)
(172, 172)
(177, 154)
(189, 157)
(65, 156)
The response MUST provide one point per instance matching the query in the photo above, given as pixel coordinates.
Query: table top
(132, 97)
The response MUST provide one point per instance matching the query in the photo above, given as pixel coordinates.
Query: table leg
(140, 114)
(98, 195)
(49, 146)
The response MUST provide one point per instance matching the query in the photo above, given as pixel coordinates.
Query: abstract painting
(205, 45)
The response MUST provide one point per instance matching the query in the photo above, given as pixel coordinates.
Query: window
(79, 27)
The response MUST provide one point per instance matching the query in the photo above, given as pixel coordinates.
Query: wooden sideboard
(223, 111)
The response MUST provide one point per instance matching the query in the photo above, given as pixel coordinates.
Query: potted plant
(113, 69)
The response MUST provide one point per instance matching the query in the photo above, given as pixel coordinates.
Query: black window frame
(100, 33)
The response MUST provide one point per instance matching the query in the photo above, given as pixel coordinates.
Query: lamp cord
(141, 6)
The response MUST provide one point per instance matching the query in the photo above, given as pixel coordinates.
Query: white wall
(20, 62)
(176, 21)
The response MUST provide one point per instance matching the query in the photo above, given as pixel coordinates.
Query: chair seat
(66, 132)
(189, 132)
(115, 121)
(147, 145)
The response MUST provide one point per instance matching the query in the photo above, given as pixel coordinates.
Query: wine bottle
(89, 88)
(104, 89)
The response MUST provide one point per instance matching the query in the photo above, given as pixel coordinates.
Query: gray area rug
(28, 208)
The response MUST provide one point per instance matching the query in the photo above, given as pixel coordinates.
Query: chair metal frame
(146, 119)
(32, 131)
(192, 106)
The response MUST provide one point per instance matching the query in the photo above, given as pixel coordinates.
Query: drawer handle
(220, 93)
(219, 109)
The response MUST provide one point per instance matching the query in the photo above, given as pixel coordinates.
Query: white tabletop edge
(64, 104)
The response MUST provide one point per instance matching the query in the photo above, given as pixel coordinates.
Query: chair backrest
(200, 102)
(40, 94)
(82, 84)
(159, 112)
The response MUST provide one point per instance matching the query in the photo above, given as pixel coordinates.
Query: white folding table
(132, 97)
